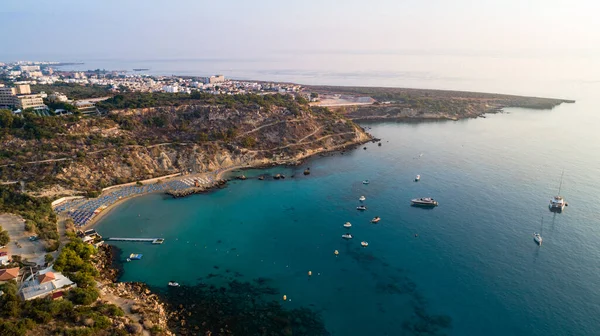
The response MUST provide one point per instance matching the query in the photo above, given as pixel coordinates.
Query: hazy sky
(152, 29)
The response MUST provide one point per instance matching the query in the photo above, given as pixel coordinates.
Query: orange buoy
(285, 298)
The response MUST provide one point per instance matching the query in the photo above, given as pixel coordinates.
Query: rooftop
(9, 274)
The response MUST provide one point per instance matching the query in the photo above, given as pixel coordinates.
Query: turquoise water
(474, 259)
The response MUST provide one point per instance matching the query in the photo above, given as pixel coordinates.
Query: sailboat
(557, 203)
(537, 237)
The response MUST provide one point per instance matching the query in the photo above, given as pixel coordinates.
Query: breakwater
(175, 193)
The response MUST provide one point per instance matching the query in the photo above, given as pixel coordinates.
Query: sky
(151, 29)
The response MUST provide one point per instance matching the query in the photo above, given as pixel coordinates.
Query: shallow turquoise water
(474, 259)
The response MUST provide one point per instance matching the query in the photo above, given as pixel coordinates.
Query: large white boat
(362, 198)
(347, 225)
(375, 220)
(364, 244)
(424, 202)
(173, 284)
(361, 207)
(557, 203)
(366, 182)
(347, 236)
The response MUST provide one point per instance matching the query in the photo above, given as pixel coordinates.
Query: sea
(467, 267)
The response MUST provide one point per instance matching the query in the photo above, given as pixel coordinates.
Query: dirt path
(267, 125)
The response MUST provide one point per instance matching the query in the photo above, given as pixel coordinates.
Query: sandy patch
(19, 239)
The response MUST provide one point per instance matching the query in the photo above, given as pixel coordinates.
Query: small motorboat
(537, 238)
(261, 178)
(128, 260)
(135, 256)
(366, 182)
(347, 236)
(362, 198)
(375, 220)
(336, 252)
(361, 207)
(364, 243)
(173, 284)
(417, 178)
(347, 225)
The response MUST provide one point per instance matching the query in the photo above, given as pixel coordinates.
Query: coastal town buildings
(18, 96)
(44, 283)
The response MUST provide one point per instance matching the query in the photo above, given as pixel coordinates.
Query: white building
(44, 283)
(170, 89)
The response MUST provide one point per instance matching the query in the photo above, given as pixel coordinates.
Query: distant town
(17, 79)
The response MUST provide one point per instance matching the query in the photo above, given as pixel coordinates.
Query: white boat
(537, 238)
(364, 243)
(362, 198)
(366, 182)
(173, 284)
(361, 207)
(418, 178)
(375, 220)
(128, 260)
(424, 202)
(347, 225)
(557, 203)
(347, 236)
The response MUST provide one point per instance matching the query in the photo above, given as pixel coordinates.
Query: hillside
(132, 144)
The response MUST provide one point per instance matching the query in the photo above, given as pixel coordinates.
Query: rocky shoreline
(196, 190)
(145, 312)
(237, 308)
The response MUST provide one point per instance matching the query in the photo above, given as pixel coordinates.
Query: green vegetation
(147, 99)
(31, 126)
(37, 212)
(74, 91)
(78, 313)
(4, 237)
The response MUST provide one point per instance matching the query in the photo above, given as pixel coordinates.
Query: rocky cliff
(135, 144)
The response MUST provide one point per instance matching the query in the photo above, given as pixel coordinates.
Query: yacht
(364, 243)
(361, 207)
(362, 198)
(557, 203)
(347, 225)
(366, 182)
(418, 178)
(424, 202)
(537, 238)
(347, 236)
(375, 220)
(173, 284)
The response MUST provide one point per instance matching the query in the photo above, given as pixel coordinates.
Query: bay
(474, 259)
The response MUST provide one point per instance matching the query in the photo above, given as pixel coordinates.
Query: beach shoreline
(218, 175)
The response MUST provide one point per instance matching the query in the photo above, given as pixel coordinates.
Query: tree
(4, 237)
(48, 258)
(6, 119)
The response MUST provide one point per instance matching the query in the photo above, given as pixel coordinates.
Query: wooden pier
(141, 240)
